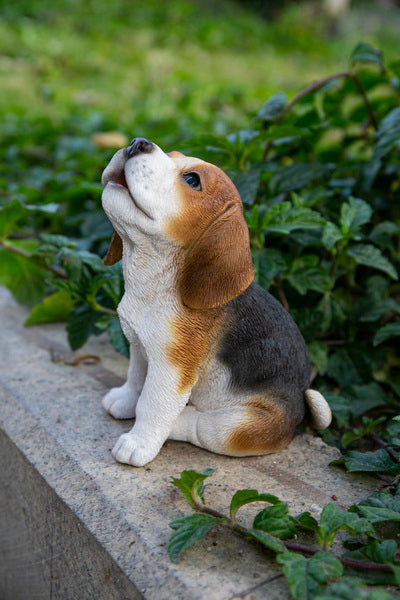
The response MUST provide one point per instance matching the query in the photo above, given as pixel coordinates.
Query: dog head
(188, 203)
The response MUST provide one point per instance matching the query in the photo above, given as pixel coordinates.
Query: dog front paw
(133, 450)
(120, 402)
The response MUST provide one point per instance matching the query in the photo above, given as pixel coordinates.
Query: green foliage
(310, 571)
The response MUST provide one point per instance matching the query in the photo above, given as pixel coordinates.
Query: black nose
(139, 145)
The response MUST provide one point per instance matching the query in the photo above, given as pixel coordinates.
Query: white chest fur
(150, 301)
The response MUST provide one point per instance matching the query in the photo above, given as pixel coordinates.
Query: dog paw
(132, 450)
(120, 403)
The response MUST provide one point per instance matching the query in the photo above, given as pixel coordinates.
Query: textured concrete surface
(75, 524)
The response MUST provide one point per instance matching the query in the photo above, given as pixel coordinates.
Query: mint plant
(310, 571)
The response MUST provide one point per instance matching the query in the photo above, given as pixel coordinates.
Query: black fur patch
(263, 349)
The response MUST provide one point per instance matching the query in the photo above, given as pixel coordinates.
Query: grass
(167, 69)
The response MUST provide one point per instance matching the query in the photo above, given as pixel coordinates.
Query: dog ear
(218, 266)
(114, 252)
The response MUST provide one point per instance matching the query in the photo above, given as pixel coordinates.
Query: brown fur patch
(267, 427)
(194, 334)
(211, 228)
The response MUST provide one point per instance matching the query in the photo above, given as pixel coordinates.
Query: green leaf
(268, 263)
(307, 522)
(388, 134)
(191, 483)
(379, 461)
(387, 331)
(353, 215)
(351, 588)
(331, 234)
(272, 108)
(53, 308)
(117, 337)
(26, 280)
(242, 497)
(297, 175)
(379, 507)
(332, 520)
(276, 521)
(188, 531)
(366, 254)
(268, 540)
(340, 406)
(9, 215)
(305, 576)
(247, 183)
(307, 274)
(284, 218)
(318, 353)
(81, 324)
(375, 551)
(365, 53)
(365, 397)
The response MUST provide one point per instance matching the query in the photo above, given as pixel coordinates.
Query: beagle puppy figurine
(215, 360)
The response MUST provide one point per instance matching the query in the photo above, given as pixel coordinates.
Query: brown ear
(114, 252)
(218, 266)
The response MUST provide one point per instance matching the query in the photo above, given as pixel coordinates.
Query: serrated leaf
(341, 409)
(365, 397)
(284, 218)
(378, 461)
(242, 497)
(332, 520)
(81, 324)
(331, 234)
(295, 176)
(53, 308)
(307, 274)
(191, 482)
(272, 108)
(354, 214)
(188, 531)
(370, 256)
(307, 522)
(388, 134)
(375, 551)
(305, 576)
(276, 521)
(267, 540)
(25, 279)
(10, 213)
(365, 53)
(318, 353)
(387, 331)
(267, 263)
(351, 588)
(381, 506)
(117, 337)
(247, 183)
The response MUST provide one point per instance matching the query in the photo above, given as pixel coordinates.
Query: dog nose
(139, 145)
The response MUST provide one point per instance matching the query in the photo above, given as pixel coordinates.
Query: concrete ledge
(74, 524)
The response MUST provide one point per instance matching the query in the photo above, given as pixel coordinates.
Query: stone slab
(75, 524)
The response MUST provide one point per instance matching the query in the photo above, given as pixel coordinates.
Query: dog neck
(149, 267)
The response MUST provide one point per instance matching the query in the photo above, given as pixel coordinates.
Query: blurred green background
(169, 69)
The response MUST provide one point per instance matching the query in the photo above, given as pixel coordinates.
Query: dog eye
(193, 180)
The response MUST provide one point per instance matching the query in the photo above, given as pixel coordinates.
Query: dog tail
(319, 408)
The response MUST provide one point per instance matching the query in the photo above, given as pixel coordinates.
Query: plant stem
(255, 587)
(25, 254)
(103, 309)
(314, 86)
(293, 546)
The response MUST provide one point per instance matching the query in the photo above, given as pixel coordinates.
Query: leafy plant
(310, 571)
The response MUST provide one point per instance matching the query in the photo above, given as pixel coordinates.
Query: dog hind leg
(235, 430)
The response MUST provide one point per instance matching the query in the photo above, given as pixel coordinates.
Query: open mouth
(118, 179)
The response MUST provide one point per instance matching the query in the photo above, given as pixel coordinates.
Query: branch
(25, 254)
(314, 86)
(349, 562)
